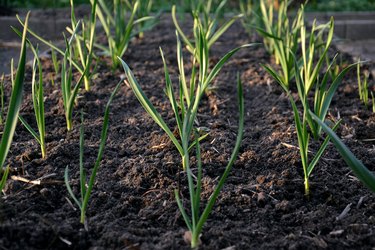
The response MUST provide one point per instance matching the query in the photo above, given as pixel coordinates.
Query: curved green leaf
(15, 100)
(363, 174)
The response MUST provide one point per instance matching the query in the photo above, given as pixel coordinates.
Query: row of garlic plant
(301, 55)
(79, 51)
(69, 94)
(78, 55)
(185, 106)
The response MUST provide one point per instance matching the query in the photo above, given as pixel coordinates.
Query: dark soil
(262, 205)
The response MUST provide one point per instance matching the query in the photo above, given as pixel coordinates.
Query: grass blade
(170, 93)
(15, 100)
(182, 210)
(103, 139)
(222, 29)
(276, 76)
(70, 191)
(363, 174)
(332, 90)
(4, 178)
(189, 45)
(147, 105)
(29, 128)
(321, 150)
(216, 69)
(229, 166)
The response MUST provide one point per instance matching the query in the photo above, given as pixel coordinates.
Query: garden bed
(262, 204)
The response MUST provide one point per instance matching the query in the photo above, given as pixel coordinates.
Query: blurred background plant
(159, 5)
(39, 3)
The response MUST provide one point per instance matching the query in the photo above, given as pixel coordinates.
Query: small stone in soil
(261, 198)
(336, 232)
(283, 205)
(188, 237)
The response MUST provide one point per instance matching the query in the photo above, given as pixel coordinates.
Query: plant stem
(87, 83)
(194, 240)
(43, 149)
(82, 220)
(68, 124)
(307, 187)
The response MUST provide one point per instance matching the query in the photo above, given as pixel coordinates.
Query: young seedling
(85, 49)
(196, 220)
(56, 65)
(117, 19)
(307, 78)
(144, 10)
(14, 108)
(304, 141)
(190, 94)
(266, 22)
(38, 103)
(283, 38)
(338, 64)
(205, 27)
(363, 85)
(69, 93)
(185, 108)
(86, 187)
(309, 74)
